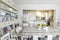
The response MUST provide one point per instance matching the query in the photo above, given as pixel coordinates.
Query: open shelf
(8, 10)
(8, 4)
(7, 34)
(4, 24)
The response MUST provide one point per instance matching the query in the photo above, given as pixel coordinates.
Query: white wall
(39, 7)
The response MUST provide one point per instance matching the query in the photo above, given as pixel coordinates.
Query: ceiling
(37, 1)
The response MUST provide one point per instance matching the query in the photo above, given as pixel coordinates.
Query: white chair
(18, 29)
(14, 33)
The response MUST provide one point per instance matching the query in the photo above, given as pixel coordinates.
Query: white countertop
(40, 22)
(35, 31)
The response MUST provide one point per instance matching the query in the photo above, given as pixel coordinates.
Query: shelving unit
(10, 21)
